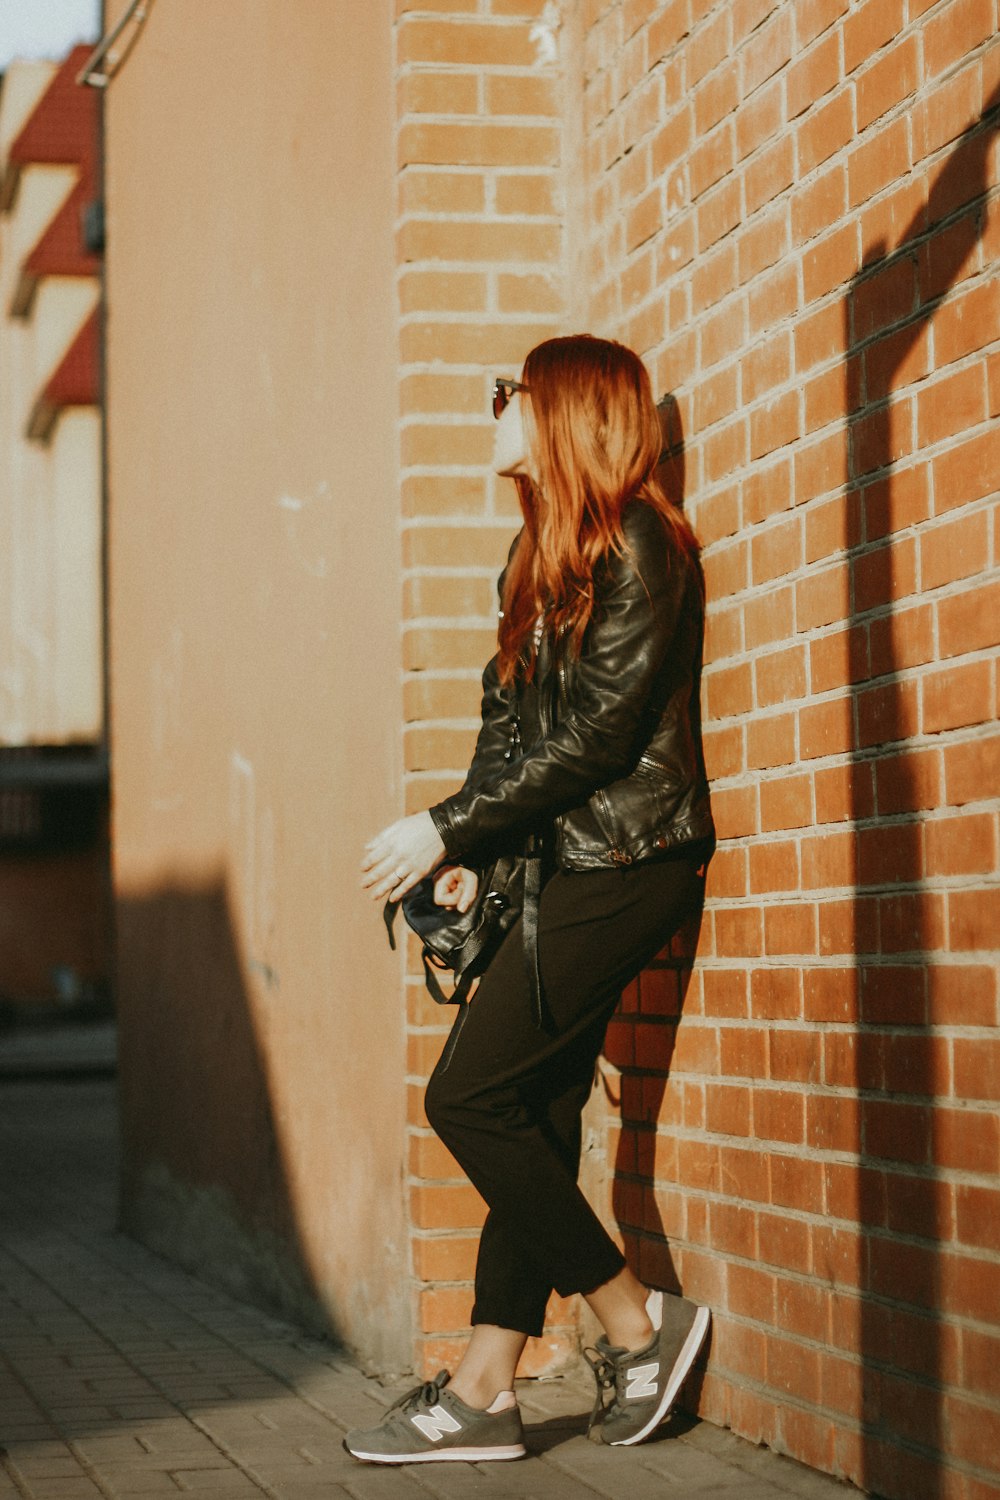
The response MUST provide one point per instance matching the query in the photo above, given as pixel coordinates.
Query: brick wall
(480, 281)
(791, 210)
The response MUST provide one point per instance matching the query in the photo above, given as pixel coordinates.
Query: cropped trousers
(508, 1104)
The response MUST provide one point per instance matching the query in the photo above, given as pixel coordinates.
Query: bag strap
(529, 929)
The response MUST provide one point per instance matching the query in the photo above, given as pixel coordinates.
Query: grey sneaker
(430, 1424)
(646, 1382)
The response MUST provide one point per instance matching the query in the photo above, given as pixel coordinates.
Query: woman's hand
(400, 855)
(455, 886)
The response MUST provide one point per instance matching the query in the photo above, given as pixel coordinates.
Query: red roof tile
(63, 125)
(75, 382)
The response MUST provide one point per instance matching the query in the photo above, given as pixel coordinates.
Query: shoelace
(428, 1393)
(606, 1374)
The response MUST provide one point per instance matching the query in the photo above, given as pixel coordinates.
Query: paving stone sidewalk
(121, 1376)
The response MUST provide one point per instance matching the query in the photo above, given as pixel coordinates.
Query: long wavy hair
(595, 442)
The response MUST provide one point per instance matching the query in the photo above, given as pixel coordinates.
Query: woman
(590, 749)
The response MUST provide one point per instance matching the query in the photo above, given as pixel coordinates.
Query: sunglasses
(502, 392)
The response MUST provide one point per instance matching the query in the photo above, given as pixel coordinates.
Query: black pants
(508, 1104)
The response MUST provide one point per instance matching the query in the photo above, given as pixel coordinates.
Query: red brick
(771, 741)
(889, 854)
(789, 928)
(826, 729)
(822, 597)
(767, 51)
(768, 617)
(738, 931)
(891, 78)
(830, 994)
(869, 28)
(774, 866)
(955, 697)
(966, 322)
(775, 993)
(825, 131)
(968, 1287)
(726, 995)
(779, 1115)
(911, 922)
(972, 770)
(830, 263)
(843, 793)
(948, 110)
(462, 41)
(963, 994)
(888, 713)
(776, 550)
(885, 574)
(819, 337)
(715, 97)
(903, 639)
(894, 994)
(813, 75)
(735, 811)
(948, 256)
(750, 1292)
(775, 424)
(977, 1216)
(897, 359)
(461, 144)
(772, 298)
(949, 405)
(840, 658)
(813, 17)
(896, 1131)
(765, 491)
(838, 1256)
(963, 845)
(899, 501)
(954, 31)
(879, 161)
(762, 242)
(785, 802)
(794, 1056)
(724, 451)
(768, 174)
(882, 437)
(973, 1431)
(821, 469)
(784, 1242)
(973, 920)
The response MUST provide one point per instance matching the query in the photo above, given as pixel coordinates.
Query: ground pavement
(120, 1376)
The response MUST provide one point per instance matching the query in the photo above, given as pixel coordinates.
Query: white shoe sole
(678, 1374)
(445, 1455)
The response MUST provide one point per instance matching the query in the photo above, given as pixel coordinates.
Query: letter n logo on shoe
(642, 1381)
(435, 1423)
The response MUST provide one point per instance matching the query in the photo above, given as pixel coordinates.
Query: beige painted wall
(254, 652)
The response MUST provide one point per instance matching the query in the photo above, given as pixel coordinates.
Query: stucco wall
(254, 663)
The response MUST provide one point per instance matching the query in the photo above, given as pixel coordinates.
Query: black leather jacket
(617, 768)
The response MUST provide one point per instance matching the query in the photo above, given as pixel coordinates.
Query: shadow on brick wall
(903, 1323)
(641, 1043)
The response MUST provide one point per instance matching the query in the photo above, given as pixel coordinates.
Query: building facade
(54, 918)
(327, 232)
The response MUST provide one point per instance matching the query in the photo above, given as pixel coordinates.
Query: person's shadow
(640, 1047)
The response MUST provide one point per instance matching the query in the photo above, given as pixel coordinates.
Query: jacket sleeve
(635, 619)
(488, 760)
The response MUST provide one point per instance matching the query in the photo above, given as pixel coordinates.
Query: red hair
(596, 442)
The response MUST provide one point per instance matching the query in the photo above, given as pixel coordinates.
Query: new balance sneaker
(647, 1381)
(430, 1424)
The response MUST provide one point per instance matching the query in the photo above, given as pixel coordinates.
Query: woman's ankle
(620, 1306)
(477, 1392)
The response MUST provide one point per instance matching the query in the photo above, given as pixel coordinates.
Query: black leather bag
(463, 942)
